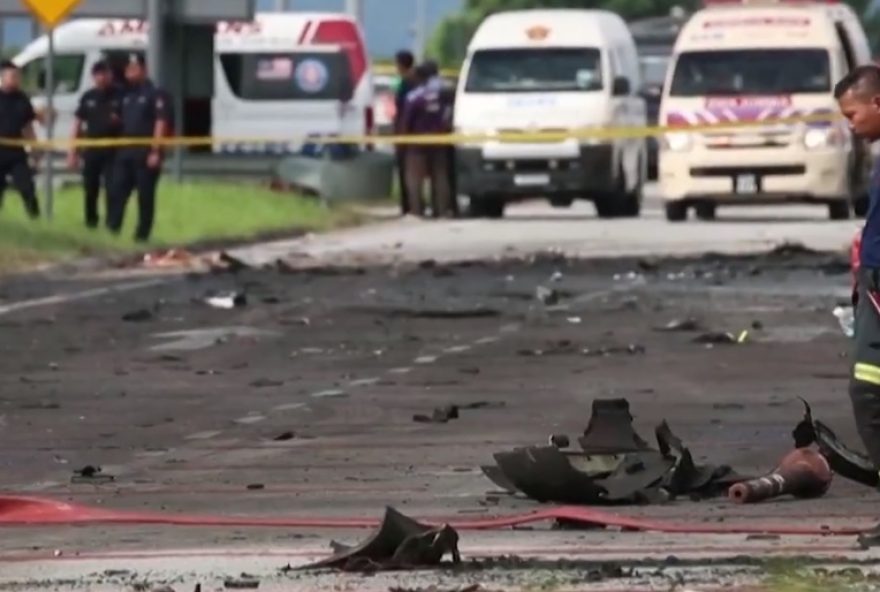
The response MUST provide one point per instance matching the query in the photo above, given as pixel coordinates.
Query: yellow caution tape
(590, 133)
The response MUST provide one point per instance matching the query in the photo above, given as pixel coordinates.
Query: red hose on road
(28, 511)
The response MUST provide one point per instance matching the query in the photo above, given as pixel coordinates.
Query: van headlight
(678, 141)
(823, 137)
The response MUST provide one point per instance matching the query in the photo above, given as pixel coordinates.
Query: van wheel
(676, 211)
(561, 202)
(487, 207)
(860, 206)
(706, 211)
(839, 210)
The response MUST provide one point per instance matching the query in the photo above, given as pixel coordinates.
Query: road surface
(301, 402)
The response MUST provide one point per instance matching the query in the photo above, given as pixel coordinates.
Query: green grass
(185, 214)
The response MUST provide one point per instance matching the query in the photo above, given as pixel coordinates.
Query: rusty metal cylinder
(803, 473)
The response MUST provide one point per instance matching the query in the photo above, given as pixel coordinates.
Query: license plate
(746, 184)
(529, 180)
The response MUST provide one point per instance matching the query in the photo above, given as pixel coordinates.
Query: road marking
(75, 296)
(400, 371)
(363, 382)
(457, 349)
(425, 360)
(486, 340)
(198, 339)
(511, 328)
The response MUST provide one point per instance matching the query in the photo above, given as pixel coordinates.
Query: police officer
(17, 118)
(858, 95)
(405, 62)
(144, 117)
(427, 113)
(98, 115)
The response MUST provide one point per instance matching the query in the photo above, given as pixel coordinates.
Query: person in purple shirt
(427, 112)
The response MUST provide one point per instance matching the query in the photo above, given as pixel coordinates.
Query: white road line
(250, 419)
(457, 349)
(204, 435)
(328, 394)
(289, 407)
(425, 360)
(511, 328)
(75, 296)
(486, 340)
(400, 371)
(363, 382)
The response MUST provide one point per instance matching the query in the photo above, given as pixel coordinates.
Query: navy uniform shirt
(870, 249)
(142, 107)
(403, 89)
(16, 112)
(100, 111)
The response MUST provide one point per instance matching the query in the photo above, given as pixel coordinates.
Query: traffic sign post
(50, 13)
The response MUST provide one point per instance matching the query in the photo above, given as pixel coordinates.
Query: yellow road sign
(50, 12)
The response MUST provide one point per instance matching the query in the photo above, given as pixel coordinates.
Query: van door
(69, 82)
(277, 99)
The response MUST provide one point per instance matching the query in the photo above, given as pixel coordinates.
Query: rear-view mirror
(621, 86)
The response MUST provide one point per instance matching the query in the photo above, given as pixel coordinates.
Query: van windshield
(534, 70)
(288, 76)
(751, 72)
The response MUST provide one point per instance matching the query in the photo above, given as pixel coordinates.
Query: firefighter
(858, 96)
(98, 115)
(145, 115)
(16, 124)
(427, 114)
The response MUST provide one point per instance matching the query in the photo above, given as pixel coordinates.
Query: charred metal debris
(399, 543)
(615, 465)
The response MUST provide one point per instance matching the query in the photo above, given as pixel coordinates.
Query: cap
(137, 58)
(100, 67)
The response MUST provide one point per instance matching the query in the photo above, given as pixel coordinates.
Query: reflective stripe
(867, 373)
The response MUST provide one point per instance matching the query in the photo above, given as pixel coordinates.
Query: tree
(449, 42)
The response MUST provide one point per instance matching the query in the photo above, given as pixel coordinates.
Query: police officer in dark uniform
(17, 118)
(144, 116)
(406, 69)
(98, 115)
(858, 95)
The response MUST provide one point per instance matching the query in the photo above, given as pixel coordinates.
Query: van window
(751, 71)
(530, 70)
(654, 69)
(288, 76)
(68, 74)
(845, 43)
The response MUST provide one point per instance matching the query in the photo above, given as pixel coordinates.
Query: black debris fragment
(266, 383)
(256, 487)
(91, 474)
(616, 466)
(610, 430)
(716, 338)
(226, 262)
(547, 296)
(842, 460)
(399, 543)
(139, 316)
(284, 437)
(633, 349)
(440, 415)
(560, 441)
(243, 582)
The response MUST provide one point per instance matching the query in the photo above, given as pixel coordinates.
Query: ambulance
(277, 80)
(737, 61)
(551, 71)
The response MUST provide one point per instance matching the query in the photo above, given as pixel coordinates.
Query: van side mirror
(621, 86)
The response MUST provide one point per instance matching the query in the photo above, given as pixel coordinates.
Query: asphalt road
(184, 408)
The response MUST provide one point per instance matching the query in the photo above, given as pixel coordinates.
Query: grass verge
(186, 214)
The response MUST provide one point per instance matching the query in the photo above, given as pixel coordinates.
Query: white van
(281, 77)
(736, 62)
(551, 70)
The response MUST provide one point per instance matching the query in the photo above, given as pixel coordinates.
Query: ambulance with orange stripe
(276, 80)
(769, 62)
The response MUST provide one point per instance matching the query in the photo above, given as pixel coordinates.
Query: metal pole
(50, 125)
(419, 40)
(156, 33)
(355, 9)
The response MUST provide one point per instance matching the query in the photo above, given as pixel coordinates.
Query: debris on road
(560, 441)
(720, 338)
(803, 473)
(284, 437)
(266, 383)
(631, 349)
(547, 296)
(139, 316)
(243, 582)
(170, 258)
(399, 543)
(449, 412)
(846, 317)
(845, 462)
(91, 474)
(687, 325)
(224, 262)
(256, 487)
(615, 466)
(227, 301)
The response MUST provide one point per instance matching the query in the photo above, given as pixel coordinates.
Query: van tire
(487, 207)
(676, 211)
(839, 210)
(706, 211)
(860, 205)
